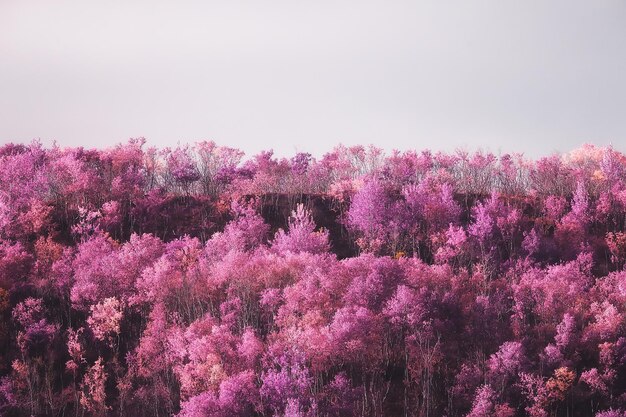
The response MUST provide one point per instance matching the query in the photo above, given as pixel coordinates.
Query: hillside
(196, 281)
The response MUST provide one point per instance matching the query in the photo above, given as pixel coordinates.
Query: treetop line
(195, 282)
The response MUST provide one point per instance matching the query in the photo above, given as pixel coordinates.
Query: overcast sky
(529, 76)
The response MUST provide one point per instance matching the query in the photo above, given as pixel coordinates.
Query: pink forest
(197, 281)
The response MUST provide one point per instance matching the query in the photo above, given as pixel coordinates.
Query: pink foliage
(301, 236)
(93, 397)
(196, 282)
(105, 318)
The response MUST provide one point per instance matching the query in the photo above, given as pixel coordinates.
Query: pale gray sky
(530, 76)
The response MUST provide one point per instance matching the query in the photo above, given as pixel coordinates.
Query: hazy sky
(529, 76)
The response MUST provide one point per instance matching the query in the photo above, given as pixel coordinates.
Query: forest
(197, 281)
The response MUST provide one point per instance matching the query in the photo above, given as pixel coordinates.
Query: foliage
(194, 282)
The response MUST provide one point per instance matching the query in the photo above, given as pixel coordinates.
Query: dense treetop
(199, 282)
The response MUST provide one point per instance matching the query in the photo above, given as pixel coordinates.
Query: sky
(534, 76)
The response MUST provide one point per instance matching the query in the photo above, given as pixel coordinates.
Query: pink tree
(301, 236)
